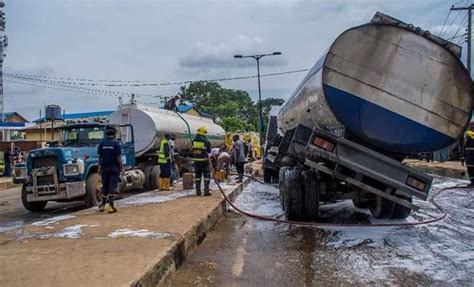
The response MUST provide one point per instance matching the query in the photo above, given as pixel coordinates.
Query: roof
(74, 116)
(11, 114)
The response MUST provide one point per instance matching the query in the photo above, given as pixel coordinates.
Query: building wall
(16, 119)
(38, 135)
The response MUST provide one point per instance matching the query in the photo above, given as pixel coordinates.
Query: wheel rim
(98, 191)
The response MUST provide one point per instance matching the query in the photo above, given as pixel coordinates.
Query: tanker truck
(382, 91)
(69, 172)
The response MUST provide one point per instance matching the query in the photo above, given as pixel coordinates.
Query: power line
(452, 22)
(463, 22)
(126, 83)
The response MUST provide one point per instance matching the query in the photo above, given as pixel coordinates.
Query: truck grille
(44, 161)
(45, 180)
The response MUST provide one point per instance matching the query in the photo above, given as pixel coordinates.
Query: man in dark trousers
(239, 156)
(7, 158)
(171, 104)
(201, 150)
(164, 160)
(469, 152)
(110, 166)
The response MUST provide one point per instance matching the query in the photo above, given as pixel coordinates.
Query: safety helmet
(202, 131)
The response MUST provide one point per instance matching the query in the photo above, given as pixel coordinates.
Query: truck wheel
(154, 177)
(310, 194)
(293, 188)
(381, 208)
(281, 186)
(400, 211)
(147, 171)
(35, 206)
(93, 190)
(267, 175)
(360, 199)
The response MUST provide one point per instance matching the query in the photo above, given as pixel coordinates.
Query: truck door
(127, 144)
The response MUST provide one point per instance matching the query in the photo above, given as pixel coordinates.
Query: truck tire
(147, 171)
(93, 190)
(360, 200)
(154, 177)
(310, 181)
(31, 206)
(267, 175)
(400, 211)
(381, 208)
(281, 186)
(293, 187)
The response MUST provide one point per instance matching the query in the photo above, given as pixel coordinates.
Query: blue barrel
(391, 87)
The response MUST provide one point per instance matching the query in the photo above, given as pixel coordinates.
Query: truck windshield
(83, 136)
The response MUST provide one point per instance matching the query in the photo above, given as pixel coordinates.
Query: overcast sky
(165, 41)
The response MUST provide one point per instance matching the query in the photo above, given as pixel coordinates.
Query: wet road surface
(245, 252)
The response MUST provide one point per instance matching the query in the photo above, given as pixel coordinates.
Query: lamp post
(257, 58)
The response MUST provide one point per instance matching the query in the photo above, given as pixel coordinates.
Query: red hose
(317, 224)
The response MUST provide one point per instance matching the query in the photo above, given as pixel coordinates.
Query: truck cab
(69, 171)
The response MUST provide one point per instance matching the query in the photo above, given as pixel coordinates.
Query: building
(44, 130)
(11, 126)
(193, 110)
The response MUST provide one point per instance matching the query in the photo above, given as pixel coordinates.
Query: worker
(7, 158)
(469, 152)
(201, 150)
(171, 104)
(239, 157)
(164, 160)
(223, 162)
(110, 166)
(174, 172)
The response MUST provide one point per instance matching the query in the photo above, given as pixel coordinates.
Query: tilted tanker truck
(69, 172)
(382, 91)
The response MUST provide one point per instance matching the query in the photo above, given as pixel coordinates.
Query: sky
(173, 41)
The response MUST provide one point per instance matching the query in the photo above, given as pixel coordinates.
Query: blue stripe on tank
(381, 127)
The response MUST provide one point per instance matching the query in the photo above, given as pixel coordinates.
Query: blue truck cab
(69, 171)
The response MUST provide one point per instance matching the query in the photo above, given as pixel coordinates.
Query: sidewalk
(6, 182)
(448, 168)
(138, 246)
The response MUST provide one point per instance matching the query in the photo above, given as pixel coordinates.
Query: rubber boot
(198, 187)
(160, 183)
(206, 187)
(102, 203)
(110, 207)
(166, 183)
(169, 183)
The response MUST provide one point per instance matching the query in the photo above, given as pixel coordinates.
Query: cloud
(208, 56)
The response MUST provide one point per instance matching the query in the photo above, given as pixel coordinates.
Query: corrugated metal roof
(74, 116)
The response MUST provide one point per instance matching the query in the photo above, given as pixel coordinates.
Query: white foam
(138, 233)
(52, 220)
(5, 227)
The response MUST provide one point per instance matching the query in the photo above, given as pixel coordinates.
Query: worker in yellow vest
(201, 150)
(469, 152)
(164, 160)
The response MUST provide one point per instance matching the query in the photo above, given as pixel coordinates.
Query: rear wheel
(31, 206)
(154, 177)
(93, 190)
(281, 185)
(360, 199)
(400, 211)
(293, 195)
(310, 181)
(381, 208)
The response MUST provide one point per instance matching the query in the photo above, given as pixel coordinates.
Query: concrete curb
(184, 246)
(8, 185)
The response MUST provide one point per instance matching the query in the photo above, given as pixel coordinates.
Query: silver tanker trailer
(383, 90)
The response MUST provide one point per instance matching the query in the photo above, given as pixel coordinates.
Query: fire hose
(319, 224)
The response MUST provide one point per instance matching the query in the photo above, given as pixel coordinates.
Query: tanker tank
(389, 86)
(151, 124)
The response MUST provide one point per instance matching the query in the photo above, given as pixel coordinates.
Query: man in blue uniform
(110, 166)
(201, 150)
(164, 160)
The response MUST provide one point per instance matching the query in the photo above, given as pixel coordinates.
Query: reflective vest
(161, 154)
(199, 150)
(469, 148)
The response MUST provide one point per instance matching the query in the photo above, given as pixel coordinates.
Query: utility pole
(3, 45)
(469, 29)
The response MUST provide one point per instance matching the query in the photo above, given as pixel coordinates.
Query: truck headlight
(71, 169)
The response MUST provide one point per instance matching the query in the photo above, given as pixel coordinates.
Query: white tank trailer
(381, 91)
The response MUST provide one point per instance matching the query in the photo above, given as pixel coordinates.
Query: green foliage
(234, 109)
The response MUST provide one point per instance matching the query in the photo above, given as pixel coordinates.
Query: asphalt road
(243, 251)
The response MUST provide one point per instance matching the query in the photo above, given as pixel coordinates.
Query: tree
(234, 109)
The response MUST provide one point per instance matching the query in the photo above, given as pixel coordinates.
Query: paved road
(245, 252)
(12, 211)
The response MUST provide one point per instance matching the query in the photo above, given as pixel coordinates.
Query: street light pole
(257, 58)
